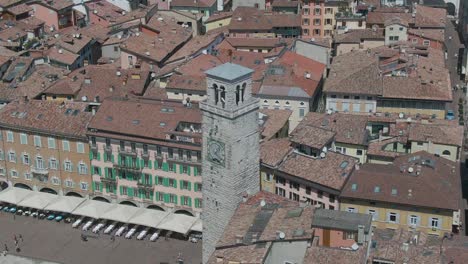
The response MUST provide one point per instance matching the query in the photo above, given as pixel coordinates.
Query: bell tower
(230, 148)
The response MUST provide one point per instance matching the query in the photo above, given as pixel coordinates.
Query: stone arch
(155, 207)
(74, 194)
(451, 9)
(48, 190)
(184, 212)
(23, 186)
(446, 153)
(101, 199)
(128, 203)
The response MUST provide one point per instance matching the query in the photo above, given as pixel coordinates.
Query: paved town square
(59, 242)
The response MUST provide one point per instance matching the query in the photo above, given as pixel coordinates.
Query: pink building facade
(312, 18)
(57, 19)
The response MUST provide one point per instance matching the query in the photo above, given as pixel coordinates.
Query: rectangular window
(25, 159)
(184, 185)
(51, 143)
(268, 177)
(11, 156)
(39, 163)
(413, 220)
(434, 221)
(170, 153)
(82, 169)
(392, 217)
(80, 147)
(158, 151)
(280, 180)
(351, 210)
(331, 198)
(294, 196)
(319, 194)
(301, 112)
(356, 108)
(373, 213)
(65, 145)
(37, 141)
(294, 185)
(426, 42)
(53, 164)
(14, 174)
(172, 198)
(84, 186)
(280, 191)
(349, 235)
(359, 152)
(308, 190)
(68, 166)
(28, 176)
(10, 137)
(24, 139)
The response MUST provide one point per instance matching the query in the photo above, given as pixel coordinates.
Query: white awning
(177, 223)
(65, 204)
(38, 200)
(148, 217)
(14, 195)
(198, 226)
(120, 213)
(92, 208)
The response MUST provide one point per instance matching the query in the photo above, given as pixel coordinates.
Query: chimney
(93, 110)
(360, 235)
(254, 237)
(357, 167)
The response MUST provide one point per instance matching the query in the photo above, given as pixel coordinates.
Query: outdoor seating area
(100, 217)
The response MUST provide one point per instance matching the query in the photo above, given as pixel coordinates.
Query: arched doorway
(3, 185)
(23, 186)
(48, 190)
(155, 207)
(128, 203)
(451, 9)
(74, 194)
(184, 212)
(101, 199)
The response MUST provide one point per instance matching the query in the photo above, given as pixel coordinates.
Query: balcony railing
(128, 167)
(128, 152)
(39, 171)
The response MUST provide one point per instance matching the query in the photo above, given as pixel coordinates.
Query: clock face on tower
(216, 152)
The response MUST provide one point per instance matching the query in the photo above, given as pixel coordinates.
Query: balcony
(39, 171)
(93, 147)
(128, 167)
(145, 154)
(108, 148)
(128, 152)
(145, 185)
(108, 179)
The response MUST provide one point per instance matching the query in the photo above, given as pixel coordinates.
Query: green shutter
(156, 181)
(197, 203)
(150, 164)
(181, 184)
(175, 184)
(195, 187)
(165, 166)
(112, 158)
(189, 186)
(151, 180)
(107, 188)
(155, 164)
(90, 155)
(106, 173)
(166, 182)
(130, 192)
(140, 194)
(175, 199)
(121, 190)
(166, 198)
(157, 196)
(94, 186)
(119, 159)
(114, 173)
(105, 156)
(142, 163)
(188, 170)
(174, 168)
(195, 171)
(99, 171)
(92, 170)
(98, 156)
(151, 195)
(181, 169)
(100, 185)
(189, 201)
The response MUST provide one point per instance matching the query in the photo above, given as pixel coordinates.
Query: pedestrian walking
(112, 238)
(14, 216)
(21, 237)
(6, 247)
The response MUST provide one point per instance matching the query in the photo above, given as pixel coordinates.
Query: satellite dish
(355, 246)
(410, 169)
(408, 120)
(401, 115)
(262, 203)
(282, 235)
(322, 155)
(84, 98)
(324, 150)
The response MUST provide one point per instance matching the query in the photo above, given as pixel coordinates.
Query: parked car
(450, 115)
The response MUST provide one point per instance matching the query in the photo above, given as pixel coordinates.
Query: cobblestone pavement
(59, 242)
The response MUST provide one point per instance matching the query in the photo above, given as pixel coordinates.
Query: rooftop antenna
(230, 56)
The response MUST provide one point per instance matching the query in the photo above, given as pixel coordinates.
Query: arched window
(215, 88)
(223, 96)
(446, 153)
(237, 94)
(243, 91)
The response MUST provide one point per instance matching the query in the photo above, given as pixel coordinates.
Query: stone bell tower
(230, 148)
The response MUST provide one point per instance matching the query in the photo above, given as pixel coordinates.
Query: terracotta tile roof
(348, 128)
(285, 216)
(160, 47)
(105, 10)
(56, 5)
(130, 117)
(285, 3)
(273, 151)
(62, 55)
(332, 171)
(30, 24)
(329, 255)
(218, 16)
(427, 33)
(19, 9)
(12, 33)
(390, 247)
(273, 120)
(303, 65)
(380, 17)
(198, 65)
(252, 254)
(187, 83)
(155, 92)
(71, 43)
(251, 18)
(251, 60)
(430, 17)
(197, 44)
(48, 117)
(312, 136)
(376, 147)
(438, 177)
(191, 3)
(359, 35)
(8, 3)
(439, 134)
